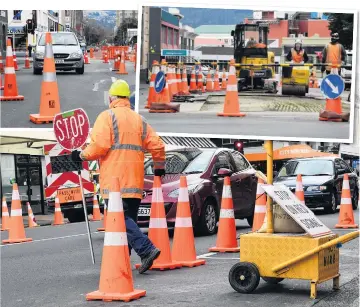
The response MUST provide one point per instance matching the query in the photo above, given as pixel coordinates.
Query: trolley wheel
(272, 280)
(244, 277)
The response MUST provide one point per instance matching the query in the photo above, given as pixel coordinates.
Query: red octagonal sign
(71, 128)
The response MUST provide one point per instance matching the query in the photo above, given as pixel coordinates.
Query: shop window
(170, 36)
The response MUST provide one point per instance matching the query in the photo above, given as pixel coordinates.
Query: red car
(205, 170)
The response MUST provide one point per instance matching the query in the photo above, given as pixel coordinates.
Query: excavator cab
(250, 47)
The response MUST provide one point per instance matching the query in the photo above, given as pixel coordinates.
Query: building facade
(125, 14)
(3, 30)
(214, 35)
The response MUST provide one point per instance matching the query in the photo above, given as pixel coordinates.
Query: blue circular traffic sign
(159, 82)
(332, 86)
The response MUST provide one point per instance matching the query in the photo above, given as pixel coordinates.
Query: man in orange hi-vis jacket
(119, 138)
(334, 53)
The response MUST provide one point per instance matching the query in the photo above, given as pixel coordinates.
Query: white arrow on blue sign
(159, 82)
(332, 86)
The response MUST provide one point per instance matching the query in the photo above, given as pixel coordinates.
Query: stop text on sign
(73, 126)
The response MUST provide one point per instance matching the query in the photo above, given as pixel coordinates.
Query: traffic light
(239, 146)
(30, 26)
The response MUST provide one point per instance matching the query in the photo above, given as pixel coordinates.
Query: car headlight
(75, 55)
(192, 188)
(316, 188)
(39, 55)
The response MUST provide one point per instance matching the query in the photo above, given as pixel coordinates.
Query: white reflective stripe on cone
(16, 212)
(231, 88)
(346, 201)
(183, 195)
(152, 84)
(260, 209)
(15, 195)
(57, 200)
(96, 206)
(57, 209)
(157, 195)
(9, 51)
(192, 80)
(346, 185)
(5, 214)
(232, 70)
(9, 70)
(299, 186)
(226, 213)
(226, 192)
(115, 239)
(32, 216)
(115, 202)
(158, 223)
(183, 222)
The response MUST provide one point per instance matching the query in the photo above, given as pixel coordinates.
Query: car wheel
(355, 199)
(80, 71)
(272, 280)
(208, 219)
(250, 220)
(244, 277)
(37, 71)
(332, 208)
(75, 216)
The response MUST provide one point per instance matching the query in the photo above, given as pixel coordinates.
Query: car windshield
(307, 168)
(184, 161)
(67, 39)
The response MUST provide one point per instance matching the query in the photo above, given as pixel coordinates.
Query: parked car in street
(68, 54)
(205, 170)
(322, 181)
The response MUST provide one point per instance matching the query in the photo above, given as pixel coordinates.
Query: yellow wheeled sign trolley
(274, 257)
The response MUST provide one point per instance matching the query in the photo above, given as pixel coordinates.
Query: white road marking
(106, 98)
(50, 239)
(113, 79)
(96, 85)
(206, 255)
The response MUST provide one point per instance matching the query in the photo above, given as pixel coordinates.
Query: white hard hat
(298, 41)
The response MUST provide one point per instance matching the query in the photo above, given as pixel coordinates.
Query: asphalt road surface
(265, 124)
(56, 270)
(85, 91)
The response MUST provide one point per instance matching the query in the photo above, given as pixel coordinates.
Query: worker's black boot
(148, 260)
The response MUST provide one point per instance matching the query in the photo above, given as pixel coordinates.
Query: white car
(67, 51)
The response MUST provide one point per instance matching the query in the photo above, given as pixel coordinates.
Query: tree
(94, 33)
(121, 32)
(344, 25)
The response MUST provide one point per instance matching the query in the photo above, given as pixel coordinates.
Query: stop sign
(71, 128)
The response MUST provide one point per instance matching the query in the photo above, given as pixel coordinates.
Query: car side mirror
(341, 171)
(224, 172)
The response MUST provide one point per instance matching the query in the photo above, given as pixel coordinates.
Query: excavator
(251, 54)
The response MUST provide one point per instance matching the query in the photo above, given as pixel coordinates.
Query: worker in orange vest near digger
(334, 53)
(297, 54)
(119, 138)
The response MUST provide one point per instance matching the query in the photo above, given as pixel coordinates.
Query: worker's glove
(159, 172)
(75, 156)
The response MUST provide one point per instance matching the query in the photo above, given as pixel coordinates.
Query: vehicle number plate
(59, 61)
(144, 211)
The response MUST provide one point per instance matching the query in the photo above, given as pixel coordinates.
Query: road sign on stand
(159, 82)
(71, 128)
(332, 86)
(301, 214)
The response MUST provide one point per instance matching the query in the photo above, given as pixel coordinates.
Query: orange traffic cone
(162, 103)
(116, 281)
(223, 80)
(346, 216)
(299, 191)
(209, 82)
(216, 81)
(184, 83)
(17, 230)
(27, 60)
(10, 84)
(226, 237)
(5, 218)
(231, 105)
(152, 93)
(122, 68)
(31, 218)
(1, 86)
(49, 97)
(193, 86)
(58, 217)
(260, 206)
(104, 220)
(158, 230)
(96, 209)
(178, 80)
(135, 60)
(86, 58)
(16, 66)
(200, 83)
(183, 249)
(106, 59)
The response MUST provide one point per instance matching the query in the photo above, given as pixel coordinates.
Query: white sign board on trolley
(299, 212)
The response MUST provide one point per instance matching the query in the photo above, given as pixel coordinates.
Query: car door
(339, 176)
(246, 185)
(223, 160)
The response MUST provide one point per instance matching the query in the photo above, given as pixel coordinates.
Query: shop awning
(289, 152)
